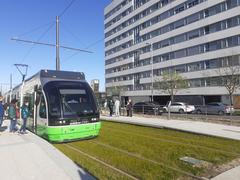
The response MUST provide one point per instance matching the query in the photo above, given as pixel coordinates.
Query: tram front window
(75, 102)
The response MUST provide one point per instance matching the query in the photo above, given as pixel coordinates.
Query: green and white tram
(62, 106)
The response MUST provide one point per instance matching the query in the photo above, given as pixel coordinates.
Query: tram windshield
(75, 102)
(69, 100)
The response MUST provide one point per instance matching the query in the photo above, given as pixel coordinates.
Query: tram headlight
(94, 119)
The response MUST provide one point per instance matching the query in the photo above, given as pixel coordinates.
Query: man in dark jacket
(1, 111)
(25, 115)
(110, 106)
(12, 115)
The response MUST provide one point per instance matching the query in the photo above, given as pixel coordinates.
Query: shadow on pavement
(84, 175)
(3, 128)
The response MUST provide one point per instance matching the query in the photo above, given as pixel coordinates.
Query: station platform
(29, 157)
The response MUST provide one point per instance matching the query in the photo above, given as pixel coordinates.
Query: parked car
(215, 108)
(148, 108)
(179, 107)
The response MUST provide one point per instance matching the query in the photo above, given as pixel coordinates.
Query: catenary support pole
(57, 45)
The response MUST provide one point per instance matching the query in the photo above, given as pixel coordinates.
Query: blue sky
(80, 27)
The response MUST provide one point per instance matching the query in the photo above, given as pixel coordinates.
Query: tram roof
(62, 75)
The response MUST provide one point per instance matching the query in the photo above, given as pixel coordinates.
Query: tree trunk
(172, 97)
(231, 99)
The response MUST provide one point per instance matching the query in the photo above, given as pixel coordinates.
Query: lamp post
(135, 64)
(151, 49)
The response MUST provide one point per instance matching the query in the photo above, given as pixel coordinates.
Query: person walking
(25, 115)
(129, 108)
(12, 115)
(1, 111)
(110, 106)
(117, 106)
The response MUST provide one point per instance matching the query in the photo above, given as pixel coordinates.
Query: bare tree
(114, 91)
(171, 83)
(230, 76)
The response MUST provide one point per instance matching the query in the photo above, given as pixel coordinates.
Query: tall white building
(145, 38)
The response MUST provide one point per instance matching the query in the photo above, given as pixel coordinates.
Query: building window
(192, 3)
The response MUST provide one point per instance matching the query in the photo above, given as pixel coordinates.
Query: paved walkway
(29, 157)
(205, 128)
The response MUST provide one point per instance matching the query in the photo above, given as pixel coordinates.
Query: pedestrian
(110, 106)
(117, 106)
(105, 107)
(25, 115)
(12, 115)
(1, 111)
(129, 108)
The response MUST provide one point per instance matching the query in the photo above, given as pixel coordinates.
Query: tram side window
(30, 99)
(42, 109)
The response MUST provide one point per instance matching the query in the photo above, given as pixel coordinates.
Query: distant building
(95, 85)
(192, 37)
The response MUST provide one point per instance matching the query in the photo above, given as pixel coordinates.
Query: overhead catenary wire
(87, 47)
(35, 29)
(65, 10)
(72, 34)
(43, 34)
(40, 37)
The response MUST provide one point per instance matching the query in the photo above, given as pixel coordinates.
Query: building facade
(146, 38)
(95, 85)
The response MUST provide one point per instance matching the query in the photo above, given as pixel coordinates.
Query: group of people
(115, 105)
(13, 115)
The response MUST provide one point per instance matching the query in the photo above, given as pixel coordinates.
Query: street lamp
(151, 49)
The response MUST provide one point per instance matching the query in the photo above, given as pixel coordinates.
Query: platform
(29, 157)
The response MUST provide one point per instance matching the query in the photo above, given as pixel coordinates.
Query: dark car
(148, 108)
(215, 108)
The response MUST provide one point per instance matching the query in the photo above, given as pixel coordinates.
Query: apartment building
(196, 38)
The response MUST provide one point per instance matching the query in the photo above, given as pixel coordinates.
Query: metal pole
(152, 70)
(57, 45)
(10, 88)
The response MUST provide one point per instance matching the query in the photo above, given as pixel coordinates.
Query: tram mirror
(37, 89)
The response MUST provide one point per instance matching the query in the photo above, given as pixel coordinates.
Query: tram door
(31, 97)
(41, 116)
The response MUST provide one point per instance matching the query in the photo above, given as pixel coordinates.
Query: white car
(180, 107)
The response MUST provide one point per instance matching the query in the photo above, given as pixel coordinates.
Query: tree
(113, 91)
(230, 76)
(171, 83)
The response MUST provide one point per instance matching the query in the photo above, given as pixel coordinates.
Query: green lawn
(125, 151)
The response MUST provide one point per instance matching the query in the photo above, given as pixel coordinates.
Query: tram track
(150, 160)
(122, 152)
(101, 162)
(179, 143)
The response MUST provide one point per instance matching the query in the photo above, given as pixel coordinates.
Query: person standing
(1, 111)
(105, 107)
(25, 115)
(129, 108)
(12, 115)
(117, 106)
(110, 106)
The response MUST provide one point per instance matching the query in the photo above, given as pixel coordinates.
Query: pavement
(204, 128)
(29, 157)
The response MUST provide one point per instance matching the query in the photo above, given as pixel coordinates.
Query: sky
(81, 26)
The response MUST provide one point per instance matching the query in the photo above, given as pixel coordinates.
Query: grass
(148, 153)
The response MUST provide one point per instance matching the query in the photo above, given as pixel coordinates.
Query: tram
(62, 105)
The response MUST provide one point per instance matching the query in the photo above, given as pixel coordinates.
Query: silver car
(179, 107)
(215, 108)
